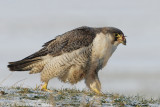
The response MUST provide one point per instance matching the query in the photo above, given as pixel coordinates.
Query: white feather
(102, 49)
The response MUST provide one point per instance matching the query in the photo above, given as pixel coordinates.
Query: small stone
(2, 93)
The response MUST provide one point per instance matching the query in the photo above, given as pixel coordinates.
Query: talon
(44, 88)
(47, 90)
(96, 91)
(95, 86)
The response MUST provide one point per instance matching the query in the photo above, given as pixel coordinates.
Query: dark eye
(116, 34)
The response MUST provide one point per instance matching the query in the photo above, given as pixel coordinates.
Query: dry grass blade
(18, 82)
(5, 78)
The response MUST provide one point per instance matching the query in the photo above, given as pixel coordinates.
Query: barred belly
(69, 67)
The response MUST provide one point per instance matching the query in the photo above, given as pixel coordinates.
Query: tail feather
(22, 65)
(34, 62)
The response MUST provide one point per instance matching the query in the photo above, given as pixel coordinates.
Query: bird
(76, 55)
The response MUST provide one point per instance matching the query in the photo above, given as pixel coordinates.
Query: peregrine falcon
(75, 55)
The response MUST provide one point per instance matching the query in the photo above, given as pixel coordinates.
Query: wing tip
(11, 67)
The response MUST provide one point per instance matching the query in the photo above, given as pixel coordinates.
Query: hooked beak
(122, 39)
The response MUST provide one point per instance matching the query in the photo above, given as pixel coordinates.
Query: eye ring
(116, 34)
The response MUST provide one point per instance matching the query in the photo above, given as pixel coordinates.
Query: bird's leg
(44, 87)
(91, 78)
(96, 86)
(93, 83)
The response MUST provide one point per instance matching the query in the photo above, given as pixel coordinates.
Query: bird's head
(117, 35)
(120, 38)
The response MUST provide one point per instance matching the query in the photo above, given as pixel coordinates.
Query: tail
(33, 63)
(23, 65)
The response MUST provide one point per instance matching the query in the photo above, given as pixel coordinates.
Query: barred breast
(68, 67)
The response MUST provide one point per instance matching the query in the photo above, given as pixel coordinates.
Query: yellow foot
(44, 88)
(96, 91)
(47, 90)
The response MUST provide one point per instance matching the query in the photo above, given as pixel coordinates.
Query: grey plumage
(66, 42)
(73, 55)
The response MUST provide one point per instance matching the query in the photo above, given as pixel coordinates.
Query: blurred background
(25, 25)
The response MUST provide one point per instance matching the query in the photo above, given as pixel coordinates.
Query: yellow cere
(117, 35)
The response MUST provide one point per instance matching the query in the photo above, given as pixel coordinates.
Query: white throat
(102, 49)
